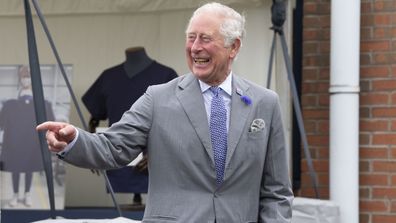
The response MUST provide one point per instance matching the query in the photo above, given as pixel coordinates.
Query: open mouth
(201, 61)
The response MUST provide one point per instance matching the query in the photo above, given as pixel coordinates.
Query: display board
(22, 178)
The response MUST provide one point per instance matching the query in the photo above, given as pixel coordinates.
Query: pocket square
(257, 125)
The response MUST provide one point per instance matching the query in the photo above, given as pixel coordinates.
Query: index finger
(49, 126)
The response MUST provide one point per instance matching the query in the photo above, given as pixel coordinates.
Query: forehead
(205, 23)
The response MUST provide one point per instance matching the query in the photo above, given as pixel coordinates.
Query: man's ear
(235, 47)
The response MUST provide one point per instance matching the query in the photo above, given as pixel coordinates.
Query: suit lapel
(239, 114)
(190, 97)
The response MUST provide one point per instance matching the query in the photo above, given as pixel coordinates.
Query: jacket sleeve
(118, 145)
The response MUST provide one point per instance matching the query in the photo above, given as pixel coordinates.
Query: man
(213, 157)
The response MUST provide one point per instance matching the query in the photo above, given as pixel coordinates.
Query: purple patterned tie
(218, 132)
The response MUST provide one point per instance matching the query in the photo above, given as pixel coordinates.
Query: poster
(22, 178)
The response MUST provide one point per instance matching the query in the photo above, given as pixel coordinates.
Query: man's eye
(206, 39)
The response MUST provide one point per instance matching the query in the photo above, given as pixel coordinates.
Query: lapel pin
(244, 98)
(239, 91)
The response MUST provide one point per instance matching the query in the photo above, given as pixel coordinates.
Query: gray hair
(233, 26)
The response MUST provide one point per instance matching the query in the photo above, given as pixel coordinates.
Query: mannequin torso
(136, 61)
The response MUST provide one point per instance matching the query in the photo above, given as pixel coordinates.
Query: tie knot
(215, 90)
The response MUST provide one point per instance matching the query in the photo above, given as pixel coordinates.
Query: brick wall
(377, 104)
(315, 96)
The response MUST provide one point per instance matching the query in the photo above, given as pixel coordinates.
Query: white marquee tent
(91, 35)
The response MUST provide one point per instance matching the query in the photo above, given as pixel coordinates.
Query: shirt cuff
(69, 146)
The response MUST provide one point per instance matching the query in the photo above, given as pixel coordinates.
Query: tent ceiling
(54, 7)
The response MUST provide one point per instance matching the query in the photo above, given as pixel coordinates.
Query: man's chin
(200, 75)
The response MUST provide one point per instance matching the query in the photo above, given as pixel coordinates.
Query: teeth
(201, 61)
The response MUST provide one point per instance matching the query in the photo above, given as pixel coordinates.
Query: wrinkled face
(207, 57)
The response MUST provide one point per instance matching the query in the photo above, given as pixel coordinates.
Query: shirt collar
(226, 86)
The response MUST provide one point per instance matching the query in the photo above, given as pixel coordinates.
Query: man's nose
(196, 45)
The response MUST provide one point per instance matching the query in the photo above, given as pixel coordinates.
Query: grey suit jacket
(170, 122)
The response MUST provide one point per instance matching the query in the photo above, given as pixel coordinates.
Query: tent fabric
(13, 7)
